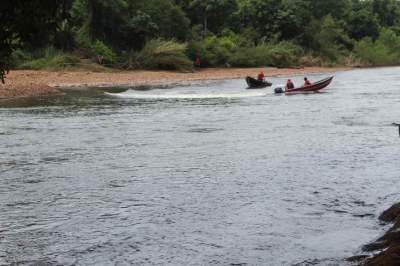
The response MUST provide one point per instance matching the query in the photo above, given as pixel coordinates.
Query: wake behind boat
(133, 94)
(317, 86)
(257, 84)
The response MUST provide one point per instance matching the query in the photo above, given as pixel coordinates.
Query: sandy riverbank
(25, 83)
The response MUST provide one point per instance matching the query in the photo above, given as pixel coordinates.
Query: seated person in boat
(261, 76)
(289, 84)
(306, 82)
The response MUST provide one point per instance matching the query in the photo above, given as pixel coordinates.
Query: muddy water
(207, 174)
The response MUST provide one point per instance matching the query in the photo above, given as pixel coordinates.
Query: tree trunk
(205, 25)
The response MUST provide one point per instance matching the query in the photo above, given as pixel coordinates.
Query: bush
(161, 54)
(19, 57)
(282, 54)
(214, 51)
(285, 54)
(232, 50)
(371, 53)
(249, 57)
(129, 60)
(196, 49)
(352, 61)
(102, 53)
(309, 61)
(384, 51)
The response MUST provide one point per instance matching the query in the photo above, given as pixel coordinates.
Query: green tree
(330, 40)
(337, 9)
(104, 20)
(25, 23)
(165, 18)
(361, 24)
(292, 18)
(212, 14)
(388, 11)
(266, 17)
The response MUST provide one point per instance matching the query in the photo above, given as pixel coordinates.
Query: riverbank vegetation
(172, 34)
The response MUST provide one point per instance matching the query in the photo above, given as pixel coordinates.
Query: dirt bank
(24, 83)
(12, 91)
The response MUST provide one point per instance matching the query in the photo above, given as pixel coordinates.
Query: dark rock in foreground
(391, 214)
(389, 257)
(388, 245)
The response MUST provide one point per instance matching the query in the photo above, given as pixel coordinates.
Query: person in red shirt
(306, 82)
(197, 62)
(261, 76)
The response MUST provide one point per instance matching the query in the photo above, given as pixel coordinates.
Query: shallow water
(208, 174)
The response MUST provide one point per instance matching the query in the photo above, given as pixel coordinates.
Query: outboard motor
(279, 90)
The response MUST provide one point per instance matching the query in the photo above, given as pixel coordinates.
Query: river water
(206, 174)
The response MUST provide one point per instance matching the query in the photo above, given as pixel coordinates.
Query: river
(206, 174)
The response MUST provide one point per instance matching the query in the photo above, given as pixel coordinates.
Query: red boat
(317, 86)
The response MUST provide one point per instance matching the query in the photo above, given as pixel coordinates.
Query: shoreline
(32, 83)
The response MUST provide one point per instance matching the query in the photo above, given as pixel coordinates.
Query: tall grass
(162, 54)
(282, 54)
(232, 50)
(49, 58)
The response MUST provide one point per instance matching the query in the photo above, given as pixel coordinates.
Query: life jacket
(261, 76)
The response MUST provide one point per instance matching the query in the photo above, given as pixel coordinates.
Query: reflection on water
(209, 174)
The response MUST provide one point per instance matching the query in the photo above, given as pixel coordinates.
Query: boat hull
(312, 88)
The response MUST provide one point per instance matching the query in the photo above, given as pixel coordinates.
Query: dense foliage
(172, 33)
